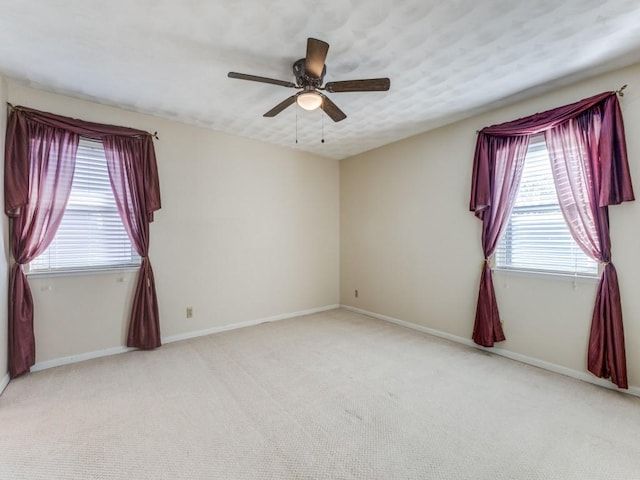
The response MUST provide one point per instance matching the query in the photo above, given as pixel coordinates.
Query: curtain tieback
(487, 261)
(604, 264)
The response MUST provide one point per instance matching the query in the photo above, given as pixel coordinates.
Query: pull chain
(322, 141)
(296, 123)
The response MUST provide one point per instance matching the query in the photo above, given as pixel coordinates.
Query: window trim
(87, 269)
(548, 274)
(535, 142)
(77, 271)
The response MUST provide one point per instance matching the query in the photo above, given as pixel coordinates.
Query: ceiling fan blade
(280, 107)
(368, 85)
(255, 78)
(332, 109)
(316, 55)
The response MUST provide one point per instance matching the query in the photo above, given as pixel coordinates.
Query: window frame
(87, 269)
(588, 277)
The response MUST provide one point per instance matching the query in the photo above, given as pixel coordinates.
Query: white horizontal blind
(537, 237)
(91, 234)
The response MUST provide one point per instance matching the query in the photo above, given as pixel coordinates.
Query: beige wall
(4, 254)
(249, 231)
(412, 249)
(246, 231)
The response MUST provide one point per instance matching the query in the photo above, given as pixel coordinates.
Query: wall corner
(4, 236)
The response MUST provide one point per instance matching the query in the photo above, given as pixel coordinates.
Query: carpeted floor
(334, 395)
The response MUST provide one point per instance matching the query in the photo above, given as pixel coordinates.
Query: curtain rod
(154, 134)
(619, 92)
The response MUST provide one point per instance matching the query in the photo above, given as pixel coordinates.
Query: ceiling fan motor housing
(304, 80)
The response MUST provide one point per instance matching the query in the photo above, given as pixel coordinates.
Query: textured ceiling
(446, 59)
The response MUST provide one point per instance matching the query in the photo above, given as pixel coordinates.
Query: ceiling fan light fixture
(309, 100)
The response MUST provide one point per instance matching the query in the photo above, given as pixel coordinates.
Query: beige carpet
(329, 396)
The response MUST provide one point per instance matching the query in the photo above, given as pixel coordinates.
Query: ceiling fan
(309, 73)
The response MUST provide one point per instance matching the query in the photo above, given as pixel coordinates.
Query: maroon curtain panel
(134, 180)
(42, 159)
(40, 152)
(492, 202)
(606, 355)
(582, 151)
(586, 141)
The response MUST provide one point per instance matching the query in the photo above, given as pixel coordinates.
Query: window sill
(579, 278)
(84, 271)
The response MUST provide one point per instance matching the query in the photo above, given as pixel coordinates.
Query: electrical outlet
(189, 312)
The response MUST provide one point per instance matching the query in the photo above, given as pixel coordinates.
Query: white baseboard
(249, 323)
(173, 338)
(81, 357)
(3, 383)
(552, 367)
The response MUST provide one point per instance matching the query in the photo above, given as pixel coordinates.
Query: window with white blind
(91, 235)
(537, 237)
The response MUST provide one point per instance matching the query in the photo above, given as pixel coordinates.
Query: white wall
(412, 249)
(246, 231)
(4, 254)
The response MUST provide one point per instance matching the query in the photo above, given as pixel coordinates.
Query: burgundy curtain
(39, 163)
(492, 201)
(134, 180)
(585, 139)
(579, 149)
(35, 204)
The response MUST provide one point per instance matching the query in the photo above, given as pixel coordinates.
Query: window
(537, 237)
(91, 234)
